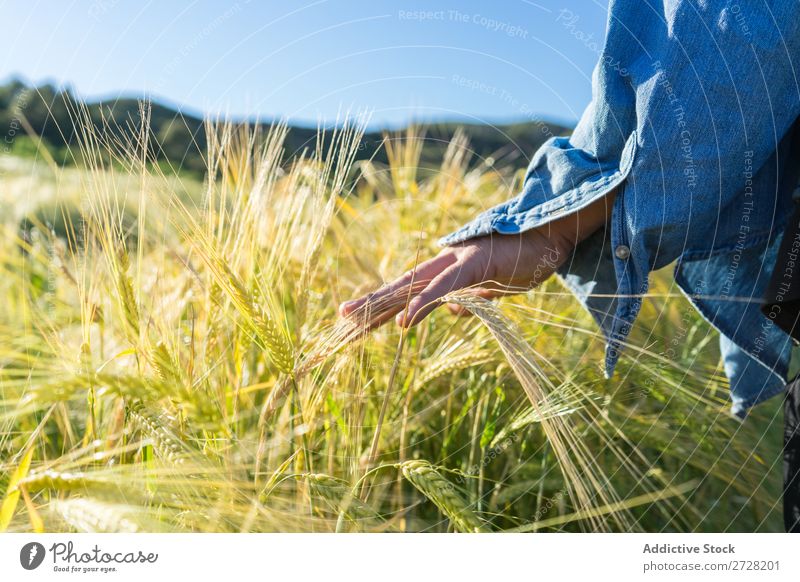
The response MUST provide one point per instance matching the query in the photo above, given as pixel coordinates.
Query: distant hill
(181, 138)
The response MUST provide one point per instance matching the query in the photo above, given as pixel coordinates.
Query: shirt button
(622, 252)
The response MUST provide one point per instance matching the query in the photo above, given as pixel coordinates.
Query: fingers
(456, 276)
(381, 305)
(502, 265)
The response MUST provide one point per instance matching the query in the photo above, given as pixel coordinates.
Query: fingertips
(408, 320)
(406, 316)
(349, 307)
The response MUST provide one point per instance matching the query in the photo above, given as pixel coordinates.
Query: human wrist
(567, 232)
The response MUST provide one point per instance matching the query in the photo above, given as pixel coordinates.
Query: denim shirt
(688, 123)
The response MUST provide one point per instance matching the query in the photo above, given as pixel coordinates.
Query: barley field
(171, 360)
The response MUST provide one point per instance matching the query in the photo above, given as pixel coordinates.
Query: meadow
(171, 359)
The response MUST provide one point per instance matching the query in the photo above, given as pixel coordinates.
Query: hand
(488, 266)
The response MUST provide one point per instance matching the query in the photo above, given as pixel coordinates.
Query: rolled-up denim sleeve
(568, 173)
(686, 127)
(694, 101)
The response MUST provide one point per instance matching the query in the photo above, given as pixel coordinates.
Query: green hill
(180, 138)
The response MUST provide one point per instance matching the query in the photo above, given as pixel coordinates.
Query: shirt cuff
(557, 162)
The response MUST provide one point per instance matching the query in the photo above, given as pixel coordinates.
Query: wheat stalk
(91, 516)
(339, 496)
(442, 493)
(63, 481)
(167, 445)
(127, 297)
(259, 322)
(448, 365)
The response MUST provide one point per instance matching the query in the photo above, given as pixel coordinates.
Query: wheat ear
(442, 493)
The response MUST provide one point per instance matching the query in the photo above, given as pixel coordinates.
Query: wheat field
(171, 360)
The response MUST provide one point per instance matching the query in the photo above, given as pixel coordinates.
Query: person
(684, 155)
(781, 304)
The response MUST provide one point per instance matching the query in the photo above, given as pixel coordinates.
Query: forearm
(565, 233)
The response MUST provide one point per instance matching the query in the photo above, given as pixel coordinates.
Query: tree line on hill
(44, 115)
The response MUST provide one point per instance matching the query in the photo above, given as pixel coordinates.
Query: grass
(171, 360)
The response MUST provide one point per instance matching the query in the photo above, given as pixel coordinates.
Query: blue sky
(311, 59)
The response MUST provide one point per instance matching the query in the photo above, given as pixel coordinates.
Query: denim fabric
(688, 122)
